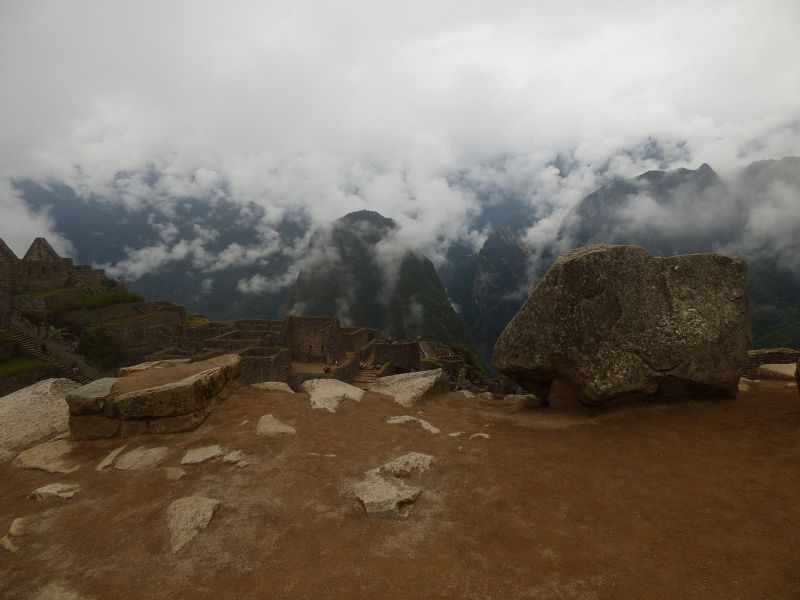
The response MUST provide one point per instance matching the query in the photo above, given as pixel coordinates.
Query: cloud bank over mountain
(422, 111)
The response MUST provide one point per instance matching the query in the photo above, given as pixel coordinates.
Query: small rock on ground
(237, 457)
(7, 544)
(198, 455)
(405, 465)
(174, 473)
(409, 419)
(109, 460)
(35, 412)
(270, 426)
(141, 458)
(47, 457)
(386, 498)
(56, 490)
(18, 527)
(273, 386)
(187, 517)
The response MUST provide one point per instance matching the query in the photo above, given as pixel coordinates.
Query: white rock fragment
(271, 427)
(405, 465)
(778, 371)
(18, 527)
(195, 456)
(386, 498)
(273, 386)
(485, 436)
(456, 433)
(174, 473)
(64, 491)
(328, 393)
(7, 544)
(466, 393)
(409, 419)
(245, 422)
(236, 458)
(141, 458)
(409, 389)
(109, 460)
(187, 517)
(47, 457)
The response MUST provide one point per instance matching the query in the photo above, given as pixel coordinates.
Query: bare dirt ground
(690, 499)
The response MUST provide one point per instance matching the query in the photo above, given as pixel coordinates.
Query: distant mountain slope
(355, 272)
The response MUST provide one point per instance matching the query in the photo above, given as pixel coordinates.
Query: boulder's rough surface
(187, 517)
(409, 419)
(613, 321)
(409, 389)
(195, 456)
(273, 386)
(327, 393)
(777, 371)
(34, 413)
(145, 399)
(48, 456)
(141, 458)
(65, 491)
(405, 465)
(271, 427)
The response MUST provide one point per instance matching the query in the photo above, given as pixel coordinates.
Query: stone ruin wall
(756, 358)
(265, 364)
(405, 356)
(315, 338)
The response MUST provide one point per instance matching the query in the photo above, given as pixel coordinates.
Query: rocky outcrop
(64, 491)
(47, 457)
(327, 393)
(782, 372)
(614, 321)
(35, 412)
(409, 389)
(119, 407)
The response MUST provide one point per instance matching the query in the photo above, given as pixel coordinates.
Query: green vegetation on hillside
(60, 291)
(91, 302)
(18, 364)
(102, 348)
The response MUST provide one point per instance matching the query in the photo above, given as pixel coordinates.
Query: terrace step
(35, 350)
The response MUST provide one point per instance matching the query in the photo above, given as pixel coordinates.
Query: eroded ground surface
(682, 500)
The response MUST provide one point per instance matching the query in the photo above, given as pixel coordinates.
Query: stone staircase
(366, 376)
(34, 349)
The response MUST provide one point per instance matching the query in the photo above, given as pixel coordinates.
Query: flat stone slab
(409, 419)
(141, 458)
(153, 364)
(34, 413)
(65, 491)
(328, 393)
(405, 465)
(781, 372)
(386, 498)
(110, 458)
(273, 386)
(187, 517)
(199, 455)
(409, 389)
(48, 456)
(90, 398)
(271, 427)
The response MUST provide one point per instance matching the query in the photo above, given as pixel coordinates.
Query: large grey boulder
(409, 389)
(34, 413)
(613, 321)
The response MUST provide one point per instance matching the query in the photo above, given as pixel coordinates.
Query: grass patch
(60, 291)
(93, 302)
(18, 364)
(195, 320)
(136, 317)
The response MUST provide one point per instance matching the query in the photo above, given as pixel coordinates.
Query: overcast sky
(335, 106)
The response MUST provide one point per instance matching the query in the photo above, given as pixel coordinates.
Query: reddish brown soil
(693, 499)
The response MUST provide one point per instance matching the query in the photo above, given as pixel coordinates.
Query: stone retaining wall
(756, 358)
(97, 411)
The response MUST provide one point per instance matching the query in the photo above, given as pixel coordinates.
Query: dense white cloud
(324, 108)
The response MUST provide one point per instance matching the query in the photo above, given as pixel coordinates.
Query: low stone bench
(121, 406)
